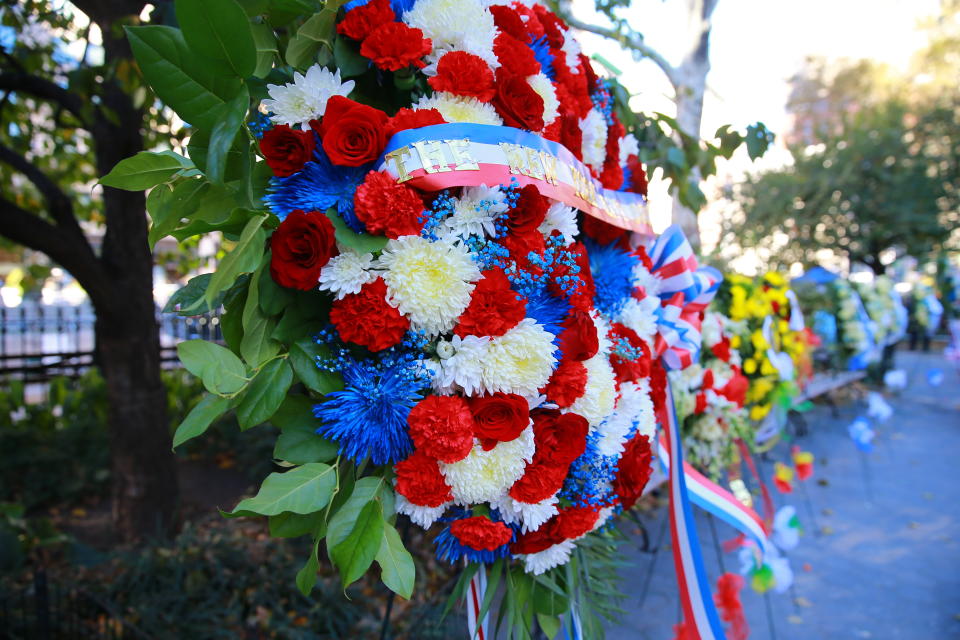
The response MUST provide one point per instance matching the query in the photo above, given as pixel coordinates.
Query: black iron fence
(39, 341)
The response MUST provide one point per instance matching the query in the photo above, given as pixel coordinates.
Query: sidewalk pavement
(881, 560)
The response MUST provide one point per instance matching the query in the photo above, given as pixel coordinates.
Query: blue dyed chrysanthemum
(450, 549)
(612, 270)
(317, 187)
(548, 310)
(541, 51)
(591, 476)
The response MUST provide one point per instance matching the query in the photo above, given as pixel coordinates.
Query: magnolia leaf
(273, 297)
(294, 525)
(145, 170)
(266, 44)
(354, 554)
(301, 490)
(200, 417)
(307, 576)
(303, 357)
(257, 346)
(246, 252)
(396, 564)
(361, 242)
(266, 392)
(347, 57)
(220, 369)
(167, 207)
(302, 444)
(317, 31)
(341, 523)
(218, 30)
(188, 294)
(229, 118)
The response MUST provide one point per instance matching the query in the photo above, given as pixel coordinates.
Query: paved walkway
(885, 563)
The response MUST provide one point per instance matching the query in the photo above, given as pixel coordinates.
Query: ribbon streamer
(475, 593)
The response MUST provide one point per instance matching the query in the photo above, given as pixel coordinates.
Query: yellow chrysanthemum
(759, 412)
(750, 366)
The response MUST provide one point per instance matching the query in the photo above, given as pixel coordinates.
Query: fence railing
(38, 341)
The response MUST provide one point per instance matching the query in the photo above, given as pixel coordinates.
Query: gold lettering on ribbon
(460, 152)
(516, 158)
(397, 156)
(549, 162)
(431, 156)
(534, 169)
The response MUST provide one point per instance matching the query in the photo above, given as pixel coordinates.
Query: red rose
(464, 74)
(419, 480)
(367, 319)
(553, 27)
(359, 22)
(410, 119)
(301, 246)
(540, 480)
(638, 177)
(529, 212)
(516, 58)
(578, 340)
(574, 522)
(388, 208)
(286, 150)
(481, 533)
(394, 46)
(500, 417)
(353, 134)
(509, 22)
(633, 471)
(516, 101)
(442, 427)
(530, 20)
(567, 383)
(536, 541)
(560, 438)
(494, 307)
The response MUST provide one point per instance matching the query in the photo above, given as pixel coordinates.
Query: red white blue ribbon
(475, 593)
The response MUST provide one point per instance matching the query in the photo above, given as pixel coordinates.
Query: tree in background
(72, 106)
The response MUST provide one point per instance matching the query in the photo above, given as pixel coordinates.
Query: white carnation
(629, 146)
(464, 369)
(598, 399)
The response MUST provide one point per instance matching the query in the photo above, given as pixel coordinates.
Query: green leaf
(145, 170)
(166, 207)
(550, 625)
(303, 357)
(266, 392)
(237, 157)
(273, 297)
(294, 525)
(341, 523)
(220, 369)
(396, 564)
(306, 316)
(188, 294)
(266, 43)
(362, 242)
(346, 56)
(316, 32)
(219, 30)
(229, 118)
(299, 441)
(301, 490)
(257, 346)
(243, 258)
(548, 602)
(354, 554)
(193, 90)
(200, 417)
(307, 576)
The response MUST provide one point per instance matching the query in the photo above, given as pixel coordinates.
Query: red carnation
(419, 480)
(536, 541)
(442, 427)
(517, 59)
(286, 150)
(700, 403)
(736, 388)
(560, 438)
(571, 135)
(603, 232)
(638, 177)
(393, 46)
(410, 119)
(359, 22)
(631, 369)
(494, 307)
(552, 26)
(481, 533)
(633, 471)
(501, 417)
(539, 481)
(516, 101)
(367, 319)
(567, 383)
(658, 389)
(722, 349)
(301, 246)
(530, 20)
(509, 22)
(464, 74)
(574, 522)
(353, 134)
(388, 208)
(579, 340)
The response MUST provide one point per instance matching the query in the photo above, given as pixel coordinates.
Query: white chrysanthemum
(629, 146)
(520, 361)
(306, 98)
(712, 329)
(643, 278)
(475, 212)
(598, 398)
(543, 561)
(594, 148)
(603, 333)
(634, 409)
(463, 369)
(572, 51)
(423, 516)
(455, 25)
(545, 89)
(528, 516)
(347, 273)
(560, 218)
(486, 476)
(640, 315)
(429, 282)
(456, 108)
(605, 514)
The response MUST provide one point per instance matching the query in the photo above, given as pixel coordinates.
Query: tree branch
(629, 40)
(58, 203)
(17, 81)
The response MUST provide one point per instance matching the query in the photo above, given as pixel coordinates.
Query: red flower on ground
(442, 427)
(367, 319)
(481, 533)
(567, 383)
(388, 208)
(419, 480)
(494, 307)
(301, 246)
(500, 417)
(574, 522)
(359, 22)
(353, 134)
(634, 470)
(286, 150)
(394, 46)
(464, 74)
(410, 119)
